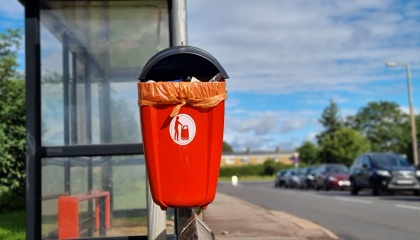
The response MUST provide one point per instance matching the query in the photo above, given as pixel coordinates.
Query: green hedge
(246, 170)
(10, 201)
(269, 168)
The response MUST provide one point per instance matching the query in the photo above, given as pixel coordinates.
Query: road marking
(352, 200)
(407, 206)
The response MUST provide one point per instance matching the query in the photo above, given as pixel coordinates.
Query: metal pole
(66, 80)
(157, 217)
(33, 120)
(179, 38)
(412, 117)
(179, 22)
(73, 101)
(156, 222)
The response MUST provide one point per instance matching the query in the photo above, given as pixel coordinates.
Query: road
(359, 217)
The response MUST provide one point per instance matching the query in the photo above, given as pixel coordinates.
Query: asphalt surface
(231, 218)
(349, 217)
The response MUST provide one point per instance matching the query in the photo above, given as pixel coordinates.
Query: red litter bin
(182, 127)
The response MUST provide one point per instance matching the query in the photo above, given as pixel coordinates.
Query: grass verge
(13, 225)
(247, 178)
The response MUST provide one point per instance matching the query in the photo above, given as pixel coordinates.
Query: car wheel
(326, 186)
(317, 187)
(353, 188)
(375, 188)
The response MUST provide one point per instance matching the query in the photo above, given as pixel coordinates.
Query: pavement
(231, 218)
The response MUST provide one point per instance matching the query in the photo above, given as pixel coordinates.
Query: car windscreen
(389, 161)
(307, 171)
(337, 169)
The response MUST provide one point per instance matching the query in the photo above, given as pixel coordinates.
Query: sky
(287, 59)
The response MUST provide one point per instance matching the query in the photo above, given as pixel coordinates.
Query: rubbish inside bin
(181, 61)
(192, 79)
(197, 94)
(216, 78)
(187, 79)
(176, 80)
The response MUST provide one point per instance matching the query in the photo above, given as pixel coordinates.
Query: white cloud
(268, 122)
(311, 137)
(292, 123)
(267, 130)
(12, 17)
(406, 109)
(294, 46)
(320, 49)
(12, 10)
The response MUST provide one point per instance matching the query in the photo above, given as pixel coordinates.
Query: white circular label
(182, 129)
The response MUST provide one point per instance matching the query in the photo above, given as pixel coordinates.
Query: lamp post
(412, 116)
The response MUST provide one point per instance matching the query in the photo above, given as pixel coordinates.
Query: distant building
(255, 157)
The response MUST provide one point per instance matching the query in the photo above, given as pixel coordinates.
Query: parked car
(307, 177)
(291, 178)
(279, 180)
(388, 172)
(332, 176)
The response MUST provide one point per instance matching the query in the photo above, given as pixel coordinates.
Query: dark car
(291, 178)
(307, 177)
(311, 178)
(332, 176)
(387, 172)
(279, 180)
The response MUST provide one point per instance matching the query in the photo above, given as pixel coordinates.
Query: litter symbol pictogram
(182, 129)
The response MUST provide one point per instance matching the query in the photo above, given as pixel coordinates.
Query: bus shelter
(85, 166)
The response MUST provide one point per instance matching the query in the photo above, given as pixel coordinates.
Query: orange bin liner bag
(197, 94)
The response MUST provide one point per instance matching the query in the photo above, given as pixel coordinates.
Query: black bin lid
(180, 62)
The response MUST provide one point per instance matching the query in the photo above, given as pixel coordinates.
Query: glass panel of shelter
(89, 65)
(84, 179)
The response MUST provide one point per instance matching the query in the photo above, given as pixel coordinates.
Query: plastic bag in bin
(197, 94)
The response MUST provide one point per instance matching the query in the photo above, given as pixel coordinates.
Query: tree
(384, 125)
(226, 147)
(344, 145)
(331, 120)
(308, 152)
(125, 128)
(409, 147)
(9, 46)
(269, 167)
(12, 116)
